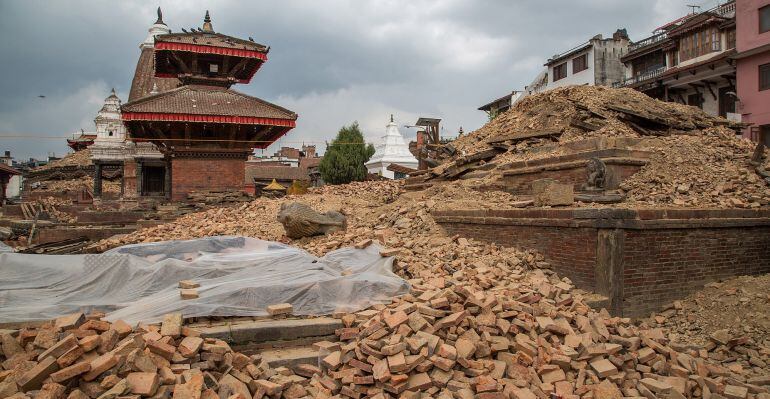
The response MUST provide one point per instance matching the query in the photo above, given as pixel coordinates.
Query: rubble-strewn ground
(108, 186)
(78, 158)
(698, 162)
(736, 310)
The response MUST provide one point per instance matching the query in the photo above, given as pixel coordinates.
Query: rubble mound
(730, 320)
(77, 158)
(696, 160)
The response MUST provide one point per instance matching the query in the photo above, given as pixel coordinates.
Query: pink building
(753, 66)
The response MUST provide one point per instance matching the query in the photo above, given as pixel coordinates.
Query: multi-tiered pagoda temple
(181, 101)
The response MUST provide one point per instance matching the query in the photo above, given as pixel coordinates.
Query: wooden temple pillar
(97, 179)
(167, 179)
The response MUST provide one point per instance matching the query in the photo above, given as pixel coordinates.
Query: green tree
(345, 157)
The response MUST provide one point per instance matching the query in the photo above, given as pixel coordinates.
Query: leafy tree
(345, 157)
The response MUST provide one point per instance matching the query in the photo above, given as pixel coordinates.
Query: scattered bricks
(388, 252)
(161, 349)
(33, 379)
(138, 360)
(190, 346)
(230, 385)
(10, 345)
(96, 325)
(397, 363)
(659, 387)
(327, 346)
(90, 342)
(736, 392)
(172, 325)
(188, 294)
(603, 368)
(144, 384)
(523, 393)
(45, 338)
(280, 309)
(363, 244)
(60, 347)
(71, 371)
(70, 321)
(188, 284)
(122, 328)
(333, 360)
(70, 356)
(270, 388)
(396, 319)
(555, 375)
(108, 341)
(419, 382)
(380, 370)
(307, 370)
(100, 365)
(645, 355)
(51, 391)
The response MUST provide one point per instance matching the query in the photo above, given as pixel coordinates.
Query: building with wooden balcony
(689, 61)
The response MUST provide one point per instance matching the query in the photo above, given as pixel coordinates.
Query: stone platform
(639, 259)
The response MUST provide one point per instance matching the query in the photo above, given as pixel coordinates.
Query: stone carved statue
(596, 174)
(300, 220)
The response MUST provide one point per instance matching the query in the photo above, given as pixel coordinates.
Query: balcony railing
(724, 9)
(642, 77)
(647, 42)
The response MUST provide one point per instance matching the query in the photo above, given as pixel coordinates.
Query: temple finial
(160, 17)
(207, 27)
(391, 117)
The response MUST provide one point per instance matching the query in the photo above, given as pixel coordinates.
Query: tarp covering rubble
(238, 276)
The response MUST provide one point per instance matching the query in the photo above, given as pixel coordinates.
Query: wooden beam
(187, 134)
(237, 68)
(180, 61)
(225, 64)
(233, 134)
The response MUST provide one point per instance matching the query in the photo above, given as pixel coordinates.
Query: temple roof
(208, 39)
(197, 100)
(144, 77)
(5, 169)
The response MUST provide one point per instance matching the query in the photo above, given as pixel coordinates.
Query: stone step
(273, 331)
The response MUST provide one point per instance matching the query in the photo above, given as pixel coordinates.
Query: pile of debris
(730, 320)
(80, 357)
(532, 339)
(77, 158)
(211, 197)
(77, 184)
(697, 158)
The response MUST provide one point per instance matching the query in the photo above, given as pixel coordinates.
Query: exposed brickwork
(521, 184)
(571, 251)
(663, 265)
(202, 174)
(666, 254)
(54, 234)
(129, 179)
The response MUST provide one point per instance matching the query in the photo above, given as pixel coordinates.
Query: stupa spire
(207, 27)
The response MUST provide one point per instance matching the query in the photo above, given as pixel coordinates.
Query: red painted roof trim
(197, 48)
(241, 120)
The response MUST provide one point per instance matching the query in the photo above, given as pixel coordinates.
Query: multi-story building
(595, 62)
(753, 67)
(688, 60)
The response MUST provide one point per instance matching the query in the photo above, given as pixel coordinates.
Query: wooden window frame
(764, 85)
(766, 10)
(556, 68)
(577, 67)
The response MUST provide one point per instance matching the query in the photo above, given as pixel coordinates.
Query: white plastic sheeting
(238, 276)
(5, 248)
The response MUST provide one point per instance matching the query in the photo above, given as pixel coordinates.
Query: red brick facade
(205, 174)
(639, 259)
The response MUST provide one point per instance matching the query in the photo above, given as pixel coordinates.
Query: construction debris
(688, 146)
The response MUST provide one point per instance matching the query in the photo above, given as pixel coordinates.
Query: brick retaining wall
(201, 174)
(639, 259)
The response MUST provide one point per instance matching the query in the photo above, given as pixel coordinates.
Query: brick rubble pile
(697, 159)
(77, 158)
(81, 357)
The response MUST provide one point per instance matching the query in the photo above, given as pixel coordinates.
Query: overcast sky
(331, 61)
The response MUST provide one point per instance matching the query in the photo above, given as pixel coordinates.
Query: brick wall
(640, 259)
(571, 251)
(201, 174)
(660, 266)
(129, 179)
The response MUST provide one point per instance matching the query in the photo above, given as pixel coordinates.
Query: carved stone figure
(300, 220)
(596, 174)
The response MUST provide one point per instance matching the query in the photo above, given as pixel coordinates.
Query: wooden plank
(527, 135)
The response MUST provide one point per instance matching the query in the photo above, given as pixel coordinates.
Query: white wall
(14, 187)
(586, 76)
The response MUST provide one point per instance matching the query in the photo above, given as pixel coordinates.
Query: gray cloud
(332, 61)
